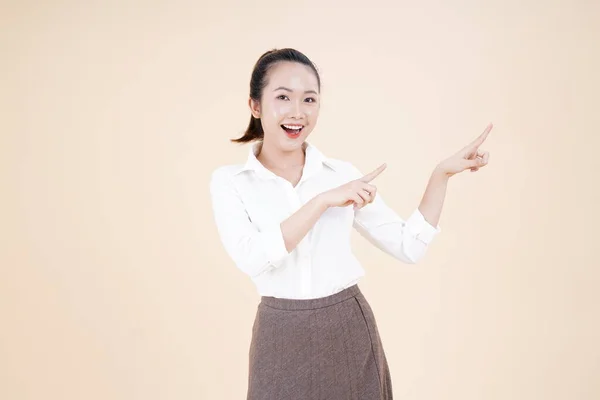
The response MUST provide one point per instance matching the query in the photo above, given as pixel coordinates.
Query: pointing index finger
(373, 174)
(483, 136)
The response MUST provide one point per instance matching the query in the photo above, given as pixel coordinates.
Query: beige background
(113, 283)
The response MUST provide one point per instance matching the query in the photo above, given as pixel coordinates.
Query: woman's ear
(254, 107)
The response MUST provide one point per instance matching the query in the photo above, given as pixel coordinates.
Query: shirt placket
(303, 248)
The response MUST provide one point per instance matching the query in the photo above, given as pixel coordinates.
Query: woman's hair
(258, 82)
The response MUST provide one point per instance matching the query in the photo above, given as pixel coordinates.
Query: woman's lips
(292, 131)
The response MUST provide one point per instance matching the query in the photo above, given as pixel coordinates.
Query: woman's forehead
(293, 76)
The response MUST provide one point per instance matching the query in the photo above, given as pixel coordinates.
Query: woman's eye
(309, 99)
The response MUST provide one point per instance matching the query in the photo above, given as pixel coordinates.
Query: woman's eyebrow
(290, 90)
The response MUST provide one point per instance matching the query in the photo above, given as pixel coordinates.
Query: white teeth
(293, 126)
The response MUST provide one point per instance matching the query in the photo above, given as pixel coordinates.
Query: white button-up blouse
(250, 202)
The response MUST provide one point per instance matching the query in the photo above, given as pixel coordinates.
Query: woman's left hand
(469, 157)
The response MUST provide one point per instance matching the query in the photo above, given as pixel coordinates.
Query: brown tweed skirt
(312, 349)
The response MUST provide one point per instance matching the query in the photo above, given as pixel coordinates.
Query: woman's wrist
(321, 202)
(440, 173)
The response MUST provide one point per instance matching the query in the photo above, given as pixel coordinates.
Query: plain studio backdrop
(113, 281)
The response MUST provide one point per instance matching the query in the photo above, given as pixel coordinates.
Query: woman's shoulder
(225, 173)
(228, 169)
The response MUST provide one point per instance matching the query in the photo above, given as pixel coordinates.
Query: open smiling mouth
(292, 130)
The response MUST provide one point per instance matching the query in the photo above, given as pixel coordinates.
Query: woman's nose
(297, 110)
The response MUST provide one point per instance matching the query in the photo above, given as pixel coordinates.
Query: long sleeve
(405, 240)
(253, 251)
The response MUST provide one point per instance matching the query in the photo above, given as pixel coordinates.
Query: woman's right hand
(359, 191)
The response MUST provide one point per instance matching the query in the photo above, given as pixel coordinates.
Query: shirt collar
(313, 162)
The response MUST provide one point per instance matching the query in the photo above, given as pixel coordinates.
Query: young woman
(285, 218)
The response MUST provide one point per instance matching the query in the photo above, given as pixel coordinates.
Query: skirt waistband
(311, 304)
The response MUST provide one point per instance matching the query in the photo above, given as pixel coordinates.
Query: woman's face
(289, 106)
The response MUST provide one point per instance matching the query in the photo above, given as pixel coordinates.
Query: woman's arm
(301, 222)
(256, 252)
(434, 196)
(469, 157)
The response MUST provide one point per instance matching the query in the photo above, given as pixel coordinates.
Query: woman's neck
(274, 158)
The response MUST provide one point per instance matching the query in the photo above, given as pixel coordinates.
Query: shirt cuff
(419, 228)
(275, 245)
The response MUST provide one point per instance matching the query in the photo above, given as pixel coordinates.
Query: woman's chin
(292, 144)
(285, 142)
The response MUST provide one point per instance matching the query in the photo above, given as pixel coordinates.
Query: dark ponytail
(258, 82)
(254, 131)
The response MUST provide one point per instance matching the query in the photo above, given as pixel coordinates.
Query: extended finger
(372, 175)
(481, 138)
